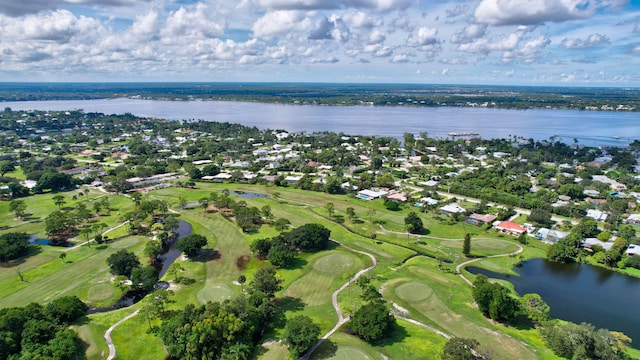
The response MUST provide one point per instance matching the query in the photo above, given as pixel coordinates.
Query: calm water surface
(591, 128)
(581, 293)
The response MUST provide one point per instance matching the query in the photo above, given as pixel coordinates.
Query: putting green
(215, 293)
(413, 292)
(336, 263)
(349, 353)
(100, 292)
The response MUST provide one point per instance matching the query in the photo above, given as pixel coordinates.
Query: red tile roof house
(510, 228)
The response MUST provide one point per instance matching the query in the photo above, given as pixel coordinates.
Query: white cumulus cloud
(529, 12)
(592, 40)
(280, 22)
(423, 36)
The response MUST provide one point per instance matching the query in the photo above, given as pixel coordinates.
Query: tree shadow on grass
(33, 250)
(284, 304)
(397, 334)
(327, 350)
(297, 263)
(289, 303)
(522, 323)
(207, 255)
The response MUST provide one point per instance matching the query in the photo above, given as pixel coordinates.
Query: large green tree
(191, 244)
(13, 245)
(145, 278)
(466, 245)
(459, 349)
(300, 334)
(266, 281)
(494, 300)
(123, 262)
(416, 223)
(19, 207)
(372, 321)
(311, 237)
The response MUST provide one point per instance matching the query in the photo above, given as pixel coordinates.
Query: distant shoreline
(328, 94)
(589, 128)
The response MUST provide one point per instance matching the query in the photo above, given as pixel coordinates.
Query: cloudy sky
(537, 42)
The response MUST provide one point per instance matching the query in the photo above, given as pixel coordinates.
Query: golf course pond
(132, 297)
(580, 293)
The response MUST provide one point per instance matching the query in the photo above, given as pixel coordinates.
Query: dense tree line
(13, 245)
(41, 332)
(228, 330)
(494, 300)
(282, 249)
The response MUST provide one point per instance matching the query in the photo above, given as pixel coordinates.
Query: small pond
(184, 229)
(33, 240)
(132, 297)
(248, 194)
(580, 293)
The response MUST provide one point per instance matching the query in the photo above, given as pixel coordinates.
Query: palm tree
(371, 212)
(242, 279)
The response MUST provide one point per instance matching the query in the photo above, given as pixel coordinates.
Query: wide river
(592, 128)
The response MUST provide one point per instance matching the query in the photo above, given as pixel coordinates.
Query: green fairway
(348, 353)
(56, 278)
(214, 293)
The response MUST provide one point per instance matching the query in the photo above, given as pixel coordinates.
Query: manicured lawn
(438, 298)
(55, 278)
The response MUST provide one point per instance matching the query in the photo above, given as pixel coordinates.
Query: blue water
(580, 293)
(591, 128)
(248, 194)
(47, 242)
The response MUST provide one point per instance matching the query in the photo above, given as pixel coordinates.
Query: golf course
(416, 273)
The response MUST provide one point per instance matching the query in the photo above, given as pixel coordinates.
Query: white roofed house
(371, 194)
(597, 215)
(451, 209)
(633, 219)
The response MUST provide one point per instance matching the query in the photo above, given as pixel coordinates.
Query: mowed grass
(308, 289)
(406, 342)
(315, 287)
(100, 292)
(56, 278)
(442, 300)
(483, 246)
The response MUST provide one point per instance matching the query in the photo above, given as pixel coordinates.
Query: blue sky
(524, 42)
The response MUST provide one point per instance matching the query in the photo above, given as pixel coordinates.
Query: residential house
(633, 250)
(371, 194)
(511, 228)
(596, 215)
(633, 219)
(550, 236)
(479, 219)
(398, 197)
(588, 243)
(451, 209)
